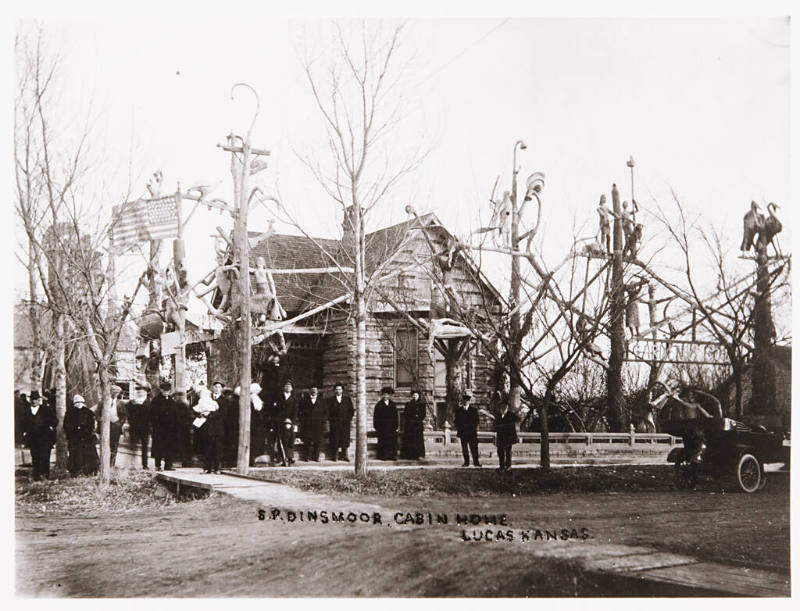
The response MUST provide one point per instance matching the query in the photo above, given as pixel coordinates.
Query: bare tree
(353, 85)
(729, 315)
(64, 236)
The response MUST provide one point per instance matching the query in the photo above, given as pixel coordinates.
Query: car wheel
(749, 473)
(685, 475)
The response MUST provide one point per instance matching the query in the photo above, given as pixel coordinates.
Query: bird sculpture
(155, 183)
(753, 224)
(770, 228)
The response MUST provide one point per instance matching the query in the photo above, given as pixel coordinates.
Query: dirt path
(220, 547)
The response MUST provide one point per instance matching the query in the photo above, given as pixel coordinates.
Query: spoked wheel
(685, 475)
(749, 473)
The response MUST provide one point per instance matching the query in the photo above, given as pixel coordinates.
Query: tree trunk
(738, 401)
(361, 343)
(61, 392)
(762, 401)
(105, 425)
(617, 324)
(37, 364)
(549, 396)
(454, 379)
(241, 311)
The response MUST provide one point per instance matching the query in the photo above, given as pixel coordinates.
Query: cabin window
(405, 357)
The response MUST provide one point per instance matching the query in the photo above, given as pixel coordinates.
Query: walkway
(683, 572)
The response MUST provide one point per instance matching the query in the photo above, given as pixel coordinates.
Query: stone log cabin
(321, 347)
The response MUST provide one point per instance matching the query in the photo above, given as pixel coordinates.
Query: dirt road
(220, 547)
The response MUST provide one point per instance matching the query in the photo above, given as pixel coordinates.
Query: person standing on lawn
(139, 420)
(312, 420)
(385, 421)
(505, 426)
(79, 426)
(413, 447)
(39, 434)
(164, 421)
(340, 418)
(285, 413)
(466, 421)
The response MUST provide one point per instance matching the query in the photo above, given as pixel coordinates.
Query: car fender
(675, 455)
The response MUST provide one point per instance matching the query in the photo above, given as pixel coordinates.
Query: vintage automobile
(733, 452)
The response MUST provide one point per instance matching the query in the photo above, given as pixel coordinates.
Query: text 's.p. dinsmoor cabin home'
(322, 346)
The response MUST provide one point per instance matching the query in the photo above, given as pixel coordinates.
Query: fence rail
(598, 440)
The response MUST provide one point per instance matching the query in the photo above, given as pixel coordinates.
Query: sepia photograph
(466, 303)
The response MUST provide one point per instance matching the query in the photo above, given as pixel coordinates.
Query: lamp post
(514, 388)
(634, 206)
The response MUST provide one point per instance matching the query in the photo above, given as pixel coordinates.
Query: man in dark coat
(385, 421)
(183, 419)
(505, 426)
(312, 415)
(79, 427)
(340, 417)
(466, 421)
(164, 421)
(414, 414)
(39, 434)
(139, 419)
(21, 409)
(273, 376)
(285, 414)
(229, 402)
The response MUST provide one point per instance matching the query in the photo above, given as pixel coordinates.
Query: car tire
(749, 473)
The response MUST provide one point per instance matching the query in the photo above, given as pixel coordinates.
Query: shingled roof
(300, 292)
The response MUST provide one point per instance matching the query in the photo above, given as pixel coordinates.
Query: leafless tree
(64, 238)
(730, 314)
(354, 83)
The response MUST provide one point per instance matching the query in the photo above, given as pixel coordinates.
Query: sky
(701, 103)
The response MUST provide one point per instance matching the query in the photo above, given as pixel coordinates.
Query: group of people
(386, 422)
(206, 422)
(277, 418)
(467, 420)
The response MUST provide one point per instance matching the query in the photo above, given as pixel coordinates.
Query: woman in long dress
(413, 422)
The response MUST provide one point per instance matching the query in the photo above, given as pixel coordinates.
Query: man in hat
(340, 418)
(39, 434)
(164, 422)
(79, 427)
(312, 415)
(138, 410)
(285, 418)
(385, 422)
(466, 421)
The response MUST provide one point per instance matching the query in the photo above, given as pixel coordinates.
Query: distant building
(80, 368)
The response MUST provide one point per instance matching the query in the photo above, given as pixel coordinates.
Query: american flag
(144, 220)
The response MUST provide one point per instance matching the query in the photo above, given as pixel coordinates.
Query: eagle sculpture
(770, 228)
(753, 224)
